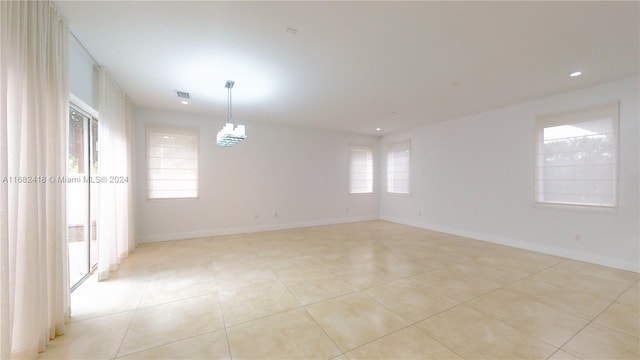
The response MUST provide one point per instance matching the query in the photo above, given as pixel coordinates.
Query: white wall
(474, 176)
(83, 75)
(300, 174)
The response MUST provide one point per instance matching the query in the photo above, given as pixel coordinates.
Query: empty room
(319, 180)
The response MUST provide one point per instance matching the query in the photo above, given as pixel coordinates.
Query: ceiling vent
(182, 94)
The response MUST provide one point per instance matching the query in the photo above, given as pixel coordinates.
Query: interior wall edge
(249, 229)
(525, 245)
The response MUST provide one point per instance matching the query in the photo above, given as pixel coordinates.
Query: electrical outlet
(275, 214)
(347, 210)
(577, 237)
(419, 213)
(256, 216)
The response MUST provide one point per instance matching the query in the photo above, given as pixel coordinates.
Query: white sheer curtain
(114, 162)
(34, 92)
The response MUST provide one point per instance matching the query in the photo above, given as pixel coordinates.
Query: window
(172, 162)
(577, 157)
(361, 170)
(398, 162)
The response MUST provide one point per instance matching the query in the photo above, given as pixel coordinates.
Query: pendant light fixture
(228, 135)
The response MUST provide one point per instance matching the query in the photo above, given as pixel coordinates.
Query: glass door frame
(88, 157)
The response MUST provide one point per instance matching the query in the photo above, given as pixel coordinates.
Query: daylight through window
(398, 165)
(577, 157)
(361, 170)
(172, 162)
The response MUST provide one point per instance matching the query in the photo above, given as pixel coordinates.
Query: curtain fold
(34, 287)
(114, 234)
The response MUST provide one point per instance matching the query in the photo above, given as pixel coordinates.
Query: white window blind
(172, 162)
(361, 170)
(398, 164)
(577, 157)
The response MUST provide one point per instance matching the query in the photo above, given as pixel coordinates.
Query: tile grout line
(462, 303)
(592, 321)
(224, 325)
(363, 290)
(135, 313)
(309, 314)
(265, 316)
(142, 308)
(325, 333)
(503, 288)
(409, 324)
(97, 317)
(169, 343)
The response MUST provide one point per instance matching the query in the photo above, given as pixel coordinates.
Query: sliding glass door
(82, 165)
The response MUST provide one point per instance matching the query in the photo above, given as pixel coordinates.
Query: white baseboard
(545, 249)
(248, 229)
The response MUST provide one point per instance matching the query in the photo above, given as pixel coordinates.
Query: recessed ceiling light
(184, 102)
(378, 129)
(575, 73)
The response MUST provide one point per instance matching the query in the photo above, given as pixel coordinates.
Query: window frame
(369, 149)
(405, 144)
(611, 111)
(178, 129)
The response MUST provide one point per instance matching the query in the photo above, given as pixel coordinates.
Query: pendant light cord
(229, 86)
(229, 106)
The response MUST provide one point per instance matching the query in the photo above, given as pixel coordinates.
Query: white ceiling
(355, 66)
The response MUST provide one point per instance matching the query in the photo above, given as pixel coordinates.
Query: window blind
(398, 167)
(361, 170)
(172, 161)
(577, 157)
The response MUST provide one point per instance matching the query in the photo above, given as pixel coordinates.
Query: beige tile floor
(369, 290)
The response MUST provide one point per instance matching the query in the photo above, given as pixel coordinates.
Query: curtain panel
(34, 287)
(115, 233)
